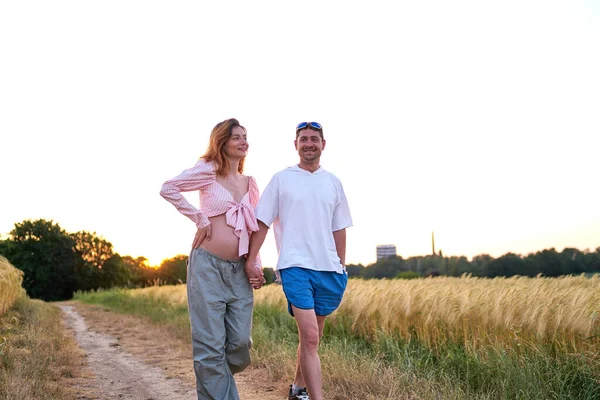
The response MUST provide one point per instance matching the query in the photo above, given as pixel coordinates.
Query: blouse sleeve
(200, 175)
(254, 194)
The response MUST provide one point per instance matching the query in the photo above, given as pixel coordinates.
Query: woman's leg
(238, 320)
(207, 303)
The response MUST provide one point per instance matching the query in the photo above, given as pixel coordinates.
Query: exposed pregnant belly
(223, 241)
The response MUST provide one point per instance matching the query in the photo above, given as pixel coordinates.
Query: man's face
(309, 145)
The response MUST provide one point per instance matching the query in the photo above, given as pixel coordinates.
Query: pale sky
(477, 120)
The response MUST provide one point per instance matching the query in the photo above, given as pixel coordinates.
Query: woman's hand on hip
(201, 234)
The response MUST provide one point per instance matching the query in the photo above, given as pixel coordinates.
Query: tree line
(549, 263)
(56, 263)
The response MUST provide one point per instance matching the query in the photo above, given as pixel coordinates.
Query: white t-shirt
(305, 208)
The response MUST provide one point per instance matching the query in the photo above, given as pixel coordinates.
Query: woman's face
(237, 144)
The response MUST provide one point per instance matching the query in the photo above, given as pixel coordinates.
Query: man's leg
(299, 379)
(328, 288)
(309, 331)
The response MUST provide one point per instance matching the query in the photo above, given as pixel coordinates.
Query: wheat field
(430, 338)
(563, 312)
(11, 279)
(475, 311)
(559, 311)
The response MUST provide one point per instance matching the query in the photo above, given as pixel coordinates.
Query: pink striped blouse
(214, 200)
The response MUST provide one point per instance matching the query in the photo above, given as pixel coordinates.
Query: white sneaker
(299, 394)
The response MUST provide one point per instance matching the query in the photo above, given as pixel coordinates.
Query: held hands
(201, 234)
(255, 276)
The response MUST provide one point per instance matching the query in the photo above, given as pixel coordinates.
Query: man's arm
(255, 275)
(340, 244)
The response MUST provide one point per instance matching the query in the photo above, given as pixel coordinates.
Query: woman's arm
(191, 179)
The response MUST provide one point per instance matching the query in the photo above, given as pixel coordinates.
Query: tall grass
(11, 279)
(451, 338)
(563, 312)
(560, 312)
(162, 305)
(529, 338)
(37, 356)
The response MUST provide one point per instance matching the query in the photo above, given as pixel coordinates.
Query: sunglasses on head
(304, 125)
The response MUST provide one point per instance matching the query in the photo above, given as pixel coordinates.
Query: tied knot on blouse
(214, 200)
(241, 218)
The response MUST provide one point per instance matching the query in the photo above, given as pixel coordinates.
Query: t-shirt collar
(319, 170)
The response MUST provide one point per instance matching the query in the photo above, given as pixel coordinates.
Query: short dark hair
(311, 128)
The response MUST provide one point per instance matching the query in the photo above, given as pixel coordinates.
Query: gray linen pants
(220, 301)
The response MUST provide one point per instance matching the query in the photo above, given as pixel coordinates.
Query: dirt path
(128, 358)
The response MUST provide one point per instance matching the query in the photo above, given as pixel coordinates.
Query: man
(310, 213)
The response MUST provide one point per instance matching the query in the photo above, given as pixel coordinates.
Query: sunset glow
(476, 121)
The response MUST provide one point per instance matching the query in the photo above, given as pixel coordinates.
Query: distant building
(386, 251)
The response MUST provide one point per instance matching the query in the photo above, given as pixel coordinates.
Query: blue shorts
(308, 289)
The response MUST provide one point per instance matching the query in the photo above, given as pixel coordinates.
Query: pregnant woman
(220, 297)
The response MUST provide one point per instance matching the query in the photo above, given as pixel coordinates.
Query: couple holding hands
(309, 212)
